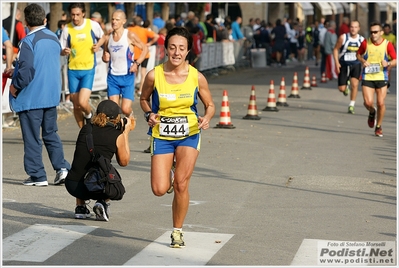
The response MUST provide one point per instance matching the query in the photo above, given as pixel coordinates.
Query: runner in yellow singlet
(80, 40)
(376, 54)
(174, 123)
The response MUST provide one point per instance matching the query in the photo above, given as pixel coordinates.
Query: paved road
(261, 194)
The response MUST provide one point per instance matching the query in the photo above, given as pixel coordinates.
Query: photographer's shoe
(82, 212)
(101, 210)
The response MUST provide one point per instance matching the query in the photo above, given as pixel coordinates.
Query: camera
(121, 125)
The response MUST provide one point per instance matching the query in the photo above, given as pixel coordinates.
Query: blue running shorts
(78, 79)
(159, 146)
(121, 85)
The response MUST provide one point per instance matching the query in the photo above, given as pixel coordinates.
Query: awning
(307, 8)
(337, 8)
(382, 6)
(393, 6)
(346, 7)
(325, 8)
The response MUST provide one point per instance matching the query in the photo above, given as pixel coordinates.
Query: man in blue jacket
(34, 95)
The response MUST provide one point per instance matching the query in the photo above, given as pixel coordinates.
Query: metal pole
(12, 30)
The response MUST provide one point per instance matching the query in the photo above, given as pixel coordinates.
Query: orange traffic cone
(252, 109)
(323, 78)
(282, 98)
(294, 88)
(306, 81)
(225, 120)
(271, 101)
(314, 83)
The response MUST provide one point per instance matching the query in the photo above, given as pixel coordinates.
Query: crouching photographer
(110, 135)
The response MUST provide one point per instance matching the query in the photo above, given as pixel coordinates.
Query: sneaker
(177, 239)
(60, 176)
(172, 178)
(371, 119)
(347, 89)
(101, 210)
(82, 212)
(148, 150)
(378, 131)
(351, 110)
(87, 120)
(30, 182)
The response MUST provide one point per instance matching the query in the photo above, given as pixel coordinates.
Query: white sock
(88, 116)
(352, 103)
(177, 229)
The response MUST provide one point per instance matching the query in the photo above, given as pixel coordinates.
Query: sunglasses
(374, 32)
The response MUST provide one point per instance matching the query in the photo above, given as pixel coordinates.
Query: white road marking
(40, 241)
(306, 254)
(200, 248)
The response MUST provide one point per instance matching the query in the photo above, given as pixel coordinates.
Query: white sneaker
(30, 182)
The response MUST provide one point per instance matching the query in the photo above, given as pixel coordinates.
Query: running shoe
(378, 131)
(177, 239)
(351, 110)
(371, 119)
(82, 212)
(30, 182)
(101, 209)
(347, 89)
(60, 176)
(172, 178)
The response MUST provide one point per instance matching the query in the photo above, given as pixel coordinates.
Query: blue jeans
(31, 123)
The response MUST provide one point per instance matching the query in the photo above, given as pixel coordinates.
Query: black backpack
(102, 177)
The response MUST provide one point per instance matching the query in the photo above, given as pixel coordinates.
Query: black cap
(109, 108)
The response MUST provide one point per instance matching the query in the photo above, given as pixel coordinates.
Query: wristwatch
(389, 63)
(147, 115)
(138, 64)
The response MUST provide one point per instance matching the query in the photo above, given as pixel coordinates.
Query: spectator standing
(287, 42)
(280, 34)
(96, 16)
(181, 19)
(19, 29)
(344, 28)
(236, 29)
(329, 43)
(158, 22)
(322, 34)
(189, 20)
(301, 47)
(293, 33)
(60, 24)
(316, 43)
(196, 50)
(35, 94)
(8, 56)
(80, 40)
(263, 38)
(374, 54)
(309, 41)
